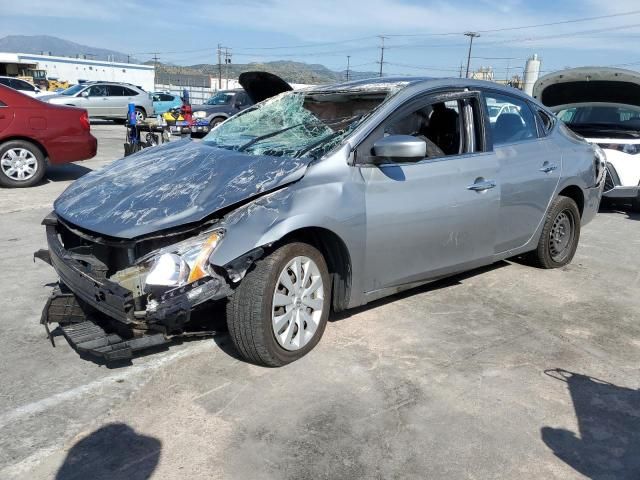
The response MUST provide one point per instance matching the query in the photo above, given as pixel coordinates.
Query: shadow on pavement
(114, 451)
(607, 444)
(69, 171)
(427, 287)
(618, 206)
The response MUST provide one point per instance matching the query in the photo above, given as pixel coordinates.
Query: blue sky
(327, 31)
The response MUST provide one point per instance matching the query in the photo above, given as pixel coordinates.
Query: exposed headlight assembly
(199, 114)
(184, 262)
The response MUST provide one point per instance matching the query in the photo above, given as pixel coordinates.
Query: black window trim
(542, 131)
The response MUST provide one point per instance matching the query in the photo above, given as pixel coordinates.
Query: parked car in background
(316, 200)
(165, 101)
(33, 133)
(224, 104)
(602, 105)
(22, 86)
(497, 109)
(106, 100)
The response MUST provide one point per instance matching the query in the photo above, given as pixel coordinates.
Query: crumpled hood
(170, 185)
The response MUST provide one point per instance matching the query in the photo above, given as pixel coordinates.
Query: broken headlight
(184, 262)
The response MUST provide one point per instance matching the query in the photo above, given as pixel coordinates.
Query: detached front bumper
(84, 284)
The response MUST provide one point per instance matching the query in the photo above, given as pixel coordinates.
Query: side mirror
(404, 147)
(85, 94)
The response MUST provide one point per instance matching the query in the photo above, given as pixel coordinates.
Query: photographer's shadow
(607, 444)
(112, 452)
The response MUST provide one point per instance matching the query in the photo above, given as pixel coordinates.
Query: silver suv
(108, 100)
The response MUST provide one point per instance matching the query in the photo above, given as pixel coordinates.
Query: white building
(75, 70)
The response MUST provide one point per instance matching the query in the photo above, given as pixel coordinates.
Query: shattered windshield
(296, 123)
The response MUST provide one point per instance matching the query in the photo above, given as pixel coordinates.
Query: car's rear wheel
(560, 234)
(279, 311)
(22, 164)
(635, 204)
(141, 115)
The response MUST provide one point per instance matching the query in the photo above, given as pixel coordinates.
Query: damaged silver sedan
(314, 201)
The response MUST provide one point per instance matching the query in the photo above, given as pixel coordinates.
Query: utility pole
(507, 75)
(348, 65)
(155, 69)
(128, 58)
(382, 37)
(471, 36)
(227, 62)
(219, 66)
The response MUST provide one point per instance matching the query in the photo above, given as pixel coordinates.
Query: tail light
(84, 121)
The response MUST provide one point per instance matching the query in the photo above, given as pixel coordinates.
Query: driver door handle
(482, 186)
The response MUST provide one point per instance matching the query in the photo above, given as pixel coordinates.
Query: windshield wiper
(267, 135)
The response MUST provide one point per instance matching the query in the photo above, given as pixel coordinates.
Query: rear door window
(128, 92)
(115, 91)
(515, 123)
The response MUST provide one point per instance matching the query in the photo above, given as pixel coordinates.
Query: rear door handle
(549, 168)
(482, 186)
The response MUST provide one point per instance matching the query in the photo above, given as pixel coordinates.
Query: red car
(33, 133)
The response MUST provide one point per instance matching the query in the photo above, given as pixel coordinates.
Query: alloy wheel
(139, 116)
(19, 164)
(297, 303)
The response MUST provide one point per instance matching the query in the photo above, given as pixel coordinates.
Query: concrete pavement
(504, 372)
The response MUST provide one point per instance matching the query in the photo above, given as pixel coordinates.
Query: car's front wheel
(215, 122)
(279, 311)
(22, 164)
(560, 234)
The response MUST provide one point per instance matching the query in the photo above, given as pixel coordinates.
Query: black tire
(635, 204)
(549, 254)
(249, 310)
(216, 121)
(6, 180)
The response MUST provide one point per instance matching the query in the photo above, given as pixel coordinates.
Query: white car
(602, 105)
(22, 86)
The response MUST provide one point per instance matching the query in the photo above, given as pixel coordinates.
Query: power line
(519, 39)
(506, 29)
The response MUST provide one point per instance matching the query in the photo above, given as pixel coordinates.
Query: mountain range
(294, 72)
